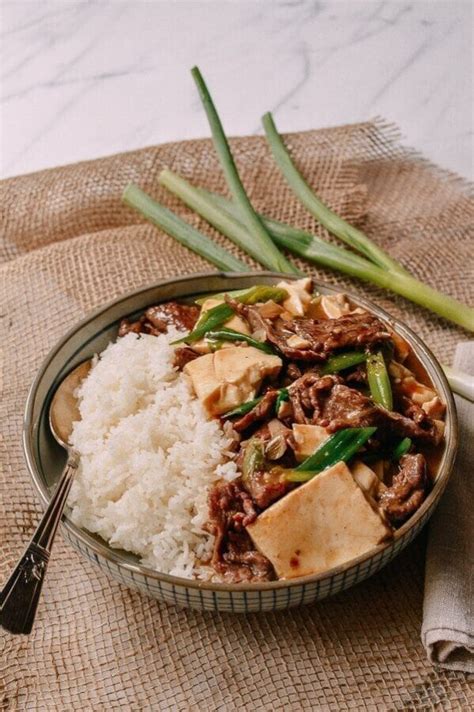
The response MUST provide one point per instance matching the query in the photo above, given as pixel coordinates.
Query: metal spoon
(20, 595)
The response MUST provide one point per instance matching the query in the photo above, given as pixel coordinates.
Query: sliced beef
(293, 371)
(408, 489)
(183, 355)
(182, 316)
(356, 376)
(135, 327)
(266, 487)
(326, 401)
(242, 562)
(157, 319)
(412, 410)
(234, 557)
(315, 339)
(261, 411)
(328, 335)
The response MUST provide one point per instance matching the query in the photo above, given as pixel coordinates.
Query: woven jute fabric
(67, 245)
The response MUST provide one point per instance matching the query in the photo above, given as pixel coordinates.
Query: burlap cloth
(67, 245)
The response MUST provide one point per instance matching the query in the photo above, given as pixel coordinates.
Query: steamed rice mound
(149, 456)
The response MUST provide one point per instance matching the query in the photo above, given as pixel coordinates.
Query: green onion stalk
(259, 241)
(181, 231)
(228, 225)
(243, 408)
(246, 407)
(209, 320)
(331, 221)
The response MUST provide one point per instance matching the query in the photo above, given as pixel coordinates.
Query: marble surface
(85, 79)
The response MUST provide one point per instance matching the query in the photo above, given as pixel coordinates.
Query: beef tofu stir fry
(334, 424)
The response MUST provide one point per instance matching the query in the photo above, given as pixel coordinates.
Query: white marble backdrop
(85, 79)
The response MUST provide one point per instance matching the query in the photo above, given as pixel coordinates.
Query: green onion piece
(260, 293)
(243, 409)
(339, 362)
(401, 449)
(253, 460)
(248, 405)
(282, 397)
(235, 294)
(209, 320)
(339, 447)
(379, 380)
(230, 335)
(270, 255)
(330, 220)
(181, 231)
(316, 250)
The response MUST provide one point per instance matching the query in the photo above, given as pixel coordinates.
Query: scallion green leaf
(260, 293)
(338, 447)
(243, 408)
(282, 397)
(181, 231)
(338, 362)
(209, 320)
(229, 226)
(330, 220)
(223, 334)
(401, 449)
(379, 380)
(268, 253)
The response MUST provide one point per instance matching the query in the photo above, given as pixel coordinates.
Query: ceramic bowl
(46, 459)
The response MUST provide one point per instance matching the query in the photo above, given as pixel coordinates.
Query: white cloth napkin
(448, 610)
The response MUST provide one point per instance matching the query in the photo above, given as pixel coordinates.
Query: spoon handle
(20, 595)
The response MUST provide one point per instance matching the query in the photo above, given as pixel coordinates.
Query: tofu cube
(366, 478)
(227, 378)
(324, 523)
(307, 439)
(299, 295)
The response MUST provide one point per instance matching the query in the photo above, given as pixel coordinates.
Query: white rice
(148, 457)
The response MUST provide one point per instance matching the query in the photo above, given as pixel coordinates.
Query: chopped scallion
(338, 362)
(379, 380)
(339, 447)
(223, 334)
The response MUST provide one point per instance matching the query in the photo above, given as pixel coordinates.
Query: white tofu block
(365, 477)
(299, 295)
(307, 439)
(337, 305)
(226, 378)
(324, 523)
